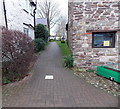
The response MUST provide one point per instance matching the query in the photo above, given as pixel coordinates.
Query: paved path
(66, 90)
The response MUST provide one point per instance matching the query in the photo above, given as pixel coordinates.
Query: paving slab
(64, 90)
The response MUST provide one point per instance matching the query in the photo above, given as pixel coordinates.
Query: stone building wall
(90, 16)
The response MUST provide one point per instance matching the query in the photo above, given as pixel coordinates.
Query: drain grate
(49, 77)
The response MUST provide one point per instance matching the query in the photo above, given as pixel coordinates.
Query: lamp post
(5, 14)
(34, 12)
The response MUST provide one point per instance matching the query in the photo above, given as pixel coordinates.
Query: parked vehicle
(51, 38)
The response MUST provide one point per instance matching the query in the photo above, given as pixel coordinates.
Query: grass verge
(64, 48)
(67, 58)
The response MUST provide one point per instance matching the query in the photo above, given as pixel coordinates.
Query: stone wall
(16, 15)
(92, 16)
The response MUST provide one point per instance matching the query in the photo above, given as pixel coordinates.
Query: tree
(48, 9)
(41, 32)
(61, 28)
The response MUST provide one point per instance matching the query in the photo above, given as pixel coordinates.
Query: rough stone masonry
(85, 17)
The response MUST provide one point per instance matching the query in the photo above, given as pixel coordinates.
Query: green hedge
(41, 32)
(39, 44)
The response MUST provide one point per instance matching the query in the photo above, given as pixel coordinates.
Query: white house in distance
(18, 15)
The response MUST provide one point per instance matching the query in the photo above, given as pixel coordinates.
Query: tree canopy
(41, 32)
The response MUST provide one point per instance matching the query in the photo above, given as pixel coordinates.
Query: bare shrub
(17, 54)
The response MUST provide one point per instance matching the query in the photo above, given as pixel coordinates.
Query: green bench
(110, 73)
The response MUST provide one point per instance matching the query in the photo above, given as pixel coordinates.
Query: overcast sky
(63, 6)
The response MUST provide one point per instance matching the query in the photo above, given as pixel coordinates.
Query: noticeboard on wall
(103, 39)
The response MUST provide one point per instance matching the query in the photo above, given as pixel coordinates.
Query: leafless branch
(49, 10)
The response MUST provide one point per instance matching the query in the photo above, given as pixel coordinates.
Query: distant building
(18, 15)
(41, 21)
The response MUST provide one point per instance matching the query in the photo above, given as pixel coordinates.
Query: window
(103, 39)
(26, 31)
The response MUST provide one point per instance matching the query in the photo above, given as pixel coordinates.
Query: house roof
(41, 21)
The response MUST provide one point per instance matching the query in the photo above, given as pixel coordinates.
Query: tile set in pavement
(65, 90)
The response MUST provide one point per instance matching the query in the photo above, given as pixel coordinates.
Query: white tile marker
(49, 77)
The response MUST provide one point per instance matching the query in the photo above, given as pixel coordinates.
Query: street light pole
(5, 14)
(34, 12)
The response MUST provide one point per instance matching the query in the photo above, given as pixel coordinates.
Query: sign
(106, 43)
